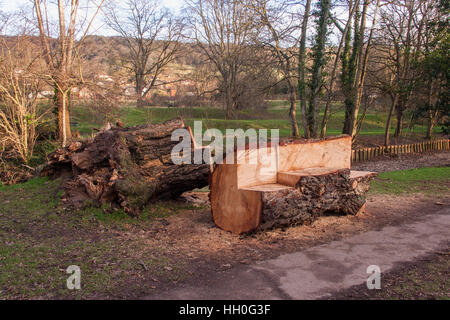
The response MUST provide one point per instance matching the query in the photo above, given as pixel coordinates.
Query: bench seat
(268, 187)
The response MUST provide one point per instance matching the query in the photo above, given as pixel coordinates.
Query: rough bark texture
(59, 105)
(314, 196)
(127, 167)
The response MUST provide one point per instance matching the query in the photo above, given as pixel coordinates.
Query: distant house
(128, 90)
(45, 94)
(81, 93)
(105, 77)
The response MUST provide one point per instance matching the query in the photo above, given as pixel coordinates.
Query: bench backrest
(329, 153)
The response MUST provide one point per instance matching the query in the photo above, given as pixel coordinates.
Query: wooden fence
(366, 154)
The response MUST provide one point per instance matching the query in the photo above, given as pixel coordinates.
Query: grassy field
(40, 238)
(273, 117)
(424, 180)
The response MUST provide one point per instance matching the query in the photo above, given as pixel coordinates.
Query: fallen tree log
(127, 167)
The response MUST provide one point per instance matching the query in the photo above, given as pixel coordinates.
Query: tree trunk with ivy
(319, 52)
(302, 69)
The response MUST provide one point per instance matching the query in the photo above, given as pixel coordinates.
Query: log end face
(234, 210)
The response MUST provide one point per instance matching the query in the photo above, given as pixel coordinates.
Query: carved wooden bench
(304, 180)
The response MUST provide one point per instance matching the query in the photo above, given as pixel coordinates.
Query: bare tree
(399, 43)
(222, 29)
(152, 35)
(4, 20)
(277, 35)
(59, 47)
(20, 83)
(432, 94)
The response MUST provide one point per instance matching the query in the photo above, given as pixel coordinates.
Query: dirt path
(319, 271)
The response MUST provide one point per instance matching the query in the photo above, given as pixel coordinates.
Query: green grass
(423, 180)
(40, 238)
(424, 279)
(275, 116)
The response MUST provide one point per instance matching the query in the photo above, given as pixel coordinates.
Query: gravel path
(405, 162)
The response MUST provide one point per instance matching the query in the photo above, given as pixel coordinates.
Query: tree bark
(342, 44)
(389, 120)
(293, 111)
(127, 167)
(400, 115)
(140, 101)
(317, 68)
(302, 69)
(363, 62)
(430, 127)
(229, 103)
(349, 67)
(63, 105)
(279, 205)
(313, 197)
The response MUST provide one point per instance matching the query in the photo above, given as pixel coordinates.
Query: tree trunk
(349, 67)
(229, 102)
(63, 104)
(302, 69)
(344, 43)
(362, 64)
(347, 129)
(389, 119)
(399, 126)
(141, 99)
(317, 68)
(432, 112)
(314, 196)
(293, 111)
(140, 102)
(126, 167)
(430, 125)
